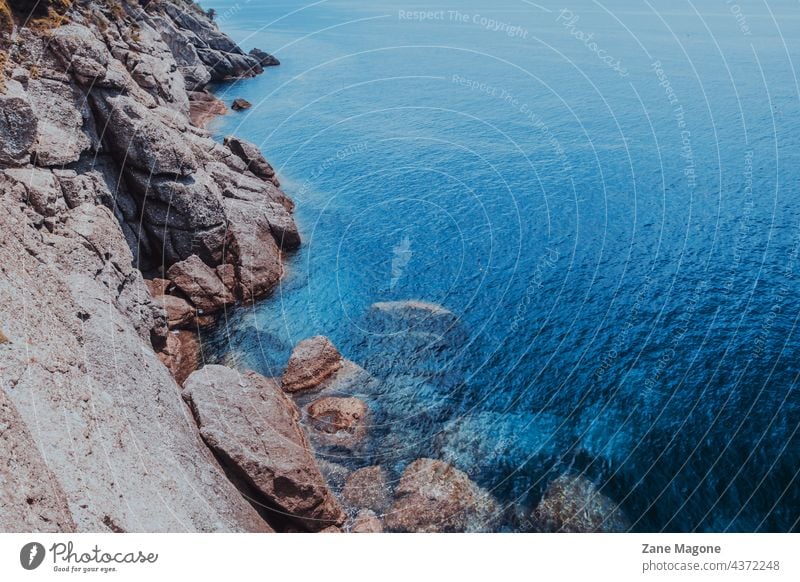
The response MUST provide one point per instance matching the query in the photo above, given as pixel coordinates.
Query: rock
(31, 499)
(139, 138)
(312, 361)
(252, 249)
(201, 284)
(572, 504)
(43, 193)
(88, 388)
(195, 73)
(338, 414)
(253, 427)
(240, 104)
(338, 421)
(252, 157)
(331, 529)
(181, 354)
(366, 522)
(179, 312)
(18, 125)
(367, 488)
(227, 274)
(264, 59)
(495, 445)
(434, 497)
(157, 287)
(60, 109)
(181, 217)
(203, 107)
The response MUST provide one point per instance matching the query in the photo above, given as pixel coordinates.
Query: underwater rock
(367, 488)
(572, 504)
(434, 497)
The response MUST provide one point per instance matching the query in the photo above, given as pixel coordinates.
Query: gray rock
(137, 137)
(250, 424)
(264, 59)
(61, 110)
(102, 409)
(18, 126)
(251, 156)
(252, 249)
(31, 499)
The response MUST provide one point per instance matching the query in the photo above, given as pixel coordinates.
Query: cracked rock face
(102, 174)
(252, 426)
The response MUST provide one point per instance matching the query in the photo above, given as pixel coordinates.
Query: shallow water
(619, 241)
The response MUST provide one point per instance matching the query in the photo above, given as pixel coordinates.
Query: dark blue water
(609, 204)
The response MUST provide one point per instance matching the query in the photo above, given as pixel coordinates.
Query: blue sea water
(605, 195)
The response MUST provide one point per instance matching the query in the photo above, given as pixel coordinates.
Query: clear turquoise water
(622, 256)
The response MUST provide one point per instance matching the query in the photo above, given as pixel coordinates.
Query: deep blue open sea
(606, 195)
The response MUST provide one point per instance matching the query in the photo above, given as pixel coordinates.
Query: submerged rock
(434, 497)
(366, 522)
(253, 428)
(337, 422)
(367, 488)
(572, 504)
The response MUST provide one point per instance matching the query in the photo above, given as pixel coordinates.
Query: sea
(580, 223)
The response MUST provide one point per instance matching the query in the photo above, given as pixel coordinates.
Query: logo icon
(31, 555)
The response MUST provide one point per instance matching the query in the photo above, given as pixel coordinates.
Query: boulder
(18, 125)
(240, 104)
(367, 488)
(139, 138)
(203, 107)
(251, 156)
(252, 249)
(201, 284)
(434, 497)
(43, 193)
(366, 522)
(264, 59)
(60, 109)
(157, 287)
(312, 361)
(252, 426)
(179, 312)
(572, 504)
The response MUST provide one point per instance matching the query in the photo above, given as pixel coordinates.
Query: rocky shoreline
(125, 229)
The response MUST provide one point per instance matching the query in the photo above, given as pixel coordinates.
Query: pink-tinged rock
(313, 361)
(201, 284)
(367, 488)
(434, 497)
(252, 426)
(366, 522)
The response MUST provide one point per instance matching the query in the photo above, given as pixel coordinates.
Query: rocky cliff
(106, 188)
